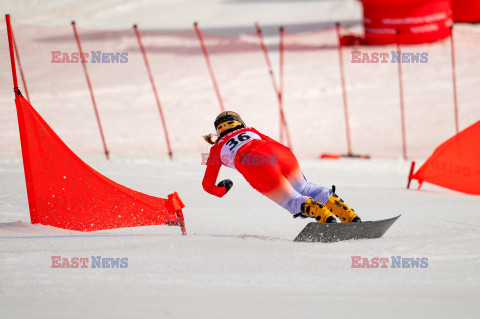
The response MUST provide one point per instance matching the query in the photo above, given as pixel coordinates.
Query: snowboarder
(270, 168)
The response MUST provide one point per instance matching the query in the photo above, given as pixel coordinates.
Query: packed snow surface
(239, 259)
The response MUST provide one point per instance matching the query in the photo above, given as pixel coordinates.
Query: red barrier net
(312, 90)
(455, 164)
(65, 192)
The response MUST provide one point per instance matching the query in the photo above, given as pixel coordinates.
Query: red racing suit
(268, 166)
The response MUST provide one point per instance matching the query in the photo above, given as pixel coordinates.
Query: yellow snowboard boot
(318, 211)
(338, 207)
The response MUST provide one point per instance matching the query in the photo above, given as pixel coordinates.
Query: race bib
(233, 144)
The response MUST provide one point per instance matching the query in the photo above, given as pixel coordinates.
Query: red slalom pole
(90, 88)
(154, 88)
(344, 89)
(19, 64)
(283, 117)
(22, 129)
(278, 92)
(281, 49)
(267, 59)
(12, 55)
(209, 65)
(270, 72)
(454, 79)
(410, 175)
(402, 107)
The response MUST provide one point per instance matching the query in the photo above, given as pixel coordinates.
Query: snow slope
(239, 259)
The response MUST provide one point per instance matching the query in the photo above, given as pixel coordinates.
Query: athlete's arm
(211, 174)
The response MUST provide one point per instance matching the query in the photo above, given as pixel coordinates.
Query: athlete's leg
(269, 180)
(317, 192)
(291, 170)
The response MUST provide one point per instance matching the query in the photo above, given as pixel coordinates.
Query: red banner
(466, 10)
(418, 21)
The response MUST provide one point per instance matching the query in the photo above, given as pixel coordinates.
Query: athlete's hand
(226, 183)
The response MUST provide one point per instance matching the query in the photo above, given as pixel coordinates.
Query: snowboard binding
(338, 207)
(314, 209)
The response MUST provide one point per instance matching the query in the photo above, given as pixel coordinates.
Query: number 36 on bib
(230, 148)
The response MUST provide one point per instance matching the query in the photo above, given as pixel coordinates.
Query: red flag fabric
(455, 164)
(63, 191)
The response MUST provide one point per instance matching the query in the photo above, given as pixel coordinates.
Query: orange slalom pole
(283, 117)
(12, 55)
(344, 90)
(20, 65)
(77, 38)
(278, 90)
(22, 130)
(154, 88)
(402, 103)
(454, 79)
(281, 48)
(209, 66)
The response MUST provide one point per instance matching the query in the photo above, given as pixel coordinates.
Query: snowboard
(329, 233)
